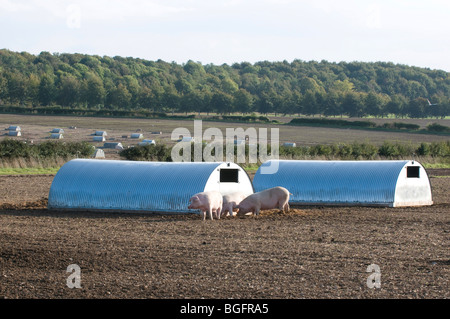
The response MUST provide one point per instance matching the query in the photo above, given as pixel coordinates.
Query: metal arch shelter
(360, 183)
(116, 185)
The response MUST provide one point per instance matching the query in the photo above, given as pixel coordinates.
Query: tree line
(354, 89)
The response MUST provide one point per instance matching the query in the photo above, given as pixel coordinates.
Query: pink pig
(277, 197)
(230, 201)
(207, 202)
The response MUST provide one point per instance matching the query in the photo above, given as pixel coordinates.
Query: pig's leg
(218, 211)
(223, 212)
(230, 209)
(203, 213)
(211, 214)
(284, 206)
(281, 206)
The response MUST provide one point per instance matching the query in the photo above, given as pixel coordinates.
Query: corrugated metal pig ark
(116, 185)
(363, 183)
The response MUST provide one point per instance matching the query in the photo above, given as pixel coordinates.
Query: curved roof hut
(98, 139)
(137, 135)
(56, 136)
(113, 145)
(107, 185)
(14, 133)
(361, 183)
(100, 133)
(147, 142)
(13, 128)
(98, 153)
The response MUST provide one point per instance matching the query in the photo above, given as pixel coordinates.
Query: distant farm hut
(107, 185)
(289, 144)
(360, 183)
(100, 133)
(99, 139)
(14, 133)
(58, 131)
(14, 128)
(56, 136)
(98, 153)
(187, 139)
(147, 142)
(116, 146)
(137, 136)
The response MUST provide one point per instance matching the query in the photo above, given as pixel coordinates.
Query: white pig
(207, 202)
(230, 201)
(277, 197)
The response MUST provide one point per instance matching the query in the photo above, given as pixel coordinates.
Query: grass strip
(29, 171)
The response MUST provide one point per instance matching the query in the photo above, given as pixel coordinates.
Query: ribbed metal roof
(128, 185)
(335, 182)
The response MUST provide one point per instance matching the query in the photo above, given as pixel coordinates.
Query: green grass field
(29, 171)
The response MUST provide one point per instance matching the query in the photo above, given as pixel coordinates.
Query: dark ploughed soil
(310, 252)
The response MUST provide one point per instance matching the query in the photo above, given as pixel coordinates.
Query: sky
(410, 32)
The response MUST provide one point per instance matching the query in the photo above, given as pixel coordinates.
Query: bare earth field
(310, 252)
(36, 128)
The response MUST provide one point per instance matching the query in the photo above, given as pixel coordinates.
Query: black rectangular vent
(229, 175)
(413, 171)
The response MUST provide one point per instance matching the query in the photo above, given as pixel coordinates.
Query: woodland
(62, 81)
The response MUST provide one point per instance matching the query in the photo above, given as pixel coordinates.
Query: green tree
(183, 86)
(150, 100)
(416, 108)
(3, 89)
(222, 103)
(295, 103)
(310, 84)
(171, 99)
(229, 86)
(342, 87)
(333, 104)
(373, 104)
(68, 91)
(16, 88)
(352, 105)
(243, 101)
(309, 103)
(119, 97)
(33, 89)
(396, 105)
(94, 91)
(46, 90)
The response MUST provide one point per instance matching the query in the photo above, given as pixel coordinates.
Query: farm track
(310, 252)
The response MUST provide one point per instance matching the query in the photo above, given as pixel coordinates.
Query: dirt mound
(438, 172)
(39, 204)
